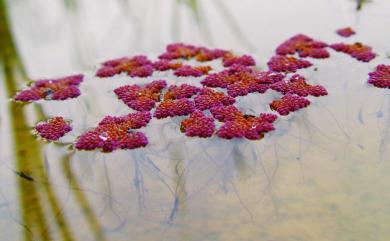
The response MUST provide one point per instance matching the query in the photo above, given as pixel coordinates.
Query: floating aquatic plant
(203, 106)
(241, 80)
(304, 46)
(225, 113)
(137, 66)
(188, 70)
(198, 124)
(52, 89)
(357, 50)
(171, 108)
(208, 98)
(289, 103)
(297, 85)
(248, 126)
(116, 133)
(186, 51)
(181, 91)
(164, 65)
(205, 54)
(230, 60)
(380, 77)
(53, 128)
(141, 98)
(179, 51)
(345, 32)
(281, 63)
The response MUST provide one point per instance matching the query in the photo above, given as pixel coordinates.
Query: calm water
(323, 175)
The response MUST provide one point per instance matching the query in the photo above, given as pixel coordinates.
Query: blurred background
(59, 37)
(321, 176)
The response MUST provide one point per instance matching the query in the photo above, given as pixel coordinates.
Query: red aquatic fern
(281, 63)
(297, 85)
(186, 51)
(116, 133)
(53, 128)
(171, 108)
(241, 80)
(357, 50)
(248, 126)
(133, 120)
(345, 32)
(259, 82)
(208, 98)
(181, 91)
(52, 89)
(289, 103)
(245, 60)
(141, 98)
(164, 65)
(188, 70)
(137, 66)
(304, 46)
(226, 113)
(179, 51)
(204, 54)
(380, 77)
(198, 124)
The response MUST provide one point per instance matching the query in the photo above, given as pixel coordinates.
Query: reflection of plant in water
(38, 202)
(195, 11)
(179, 178)
(82, 200)
(33, 182)
(71, 4)
(361, 3)
(201, 19)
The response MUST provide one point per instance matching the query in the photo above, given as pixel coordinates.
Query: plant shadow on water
(324, 168)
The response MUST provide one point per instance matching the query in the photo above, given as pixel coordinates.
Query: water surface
(323, 174)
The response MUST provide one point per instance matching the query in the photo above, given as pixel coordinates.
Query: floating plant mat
(201, 92)
(172, 134)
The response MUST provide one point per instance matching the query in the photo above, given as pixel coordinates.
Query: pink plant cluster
(53, 128)
(208, 109)
(198, 124)
(232, 60)
(304, 46)
(181, 91)
(116, 133)
(242, 80)
(297, 85)
(188, 70)
(186, 51)
(141, 98)
(137, 66)
(239, 125)
(289, 103)
(380, 77)
(345, 32)
(357, 50)
(52, 89)
(172, 108)
(281, 63)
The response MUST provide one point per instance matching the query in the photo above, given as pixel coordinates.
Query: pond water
(322, 175)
